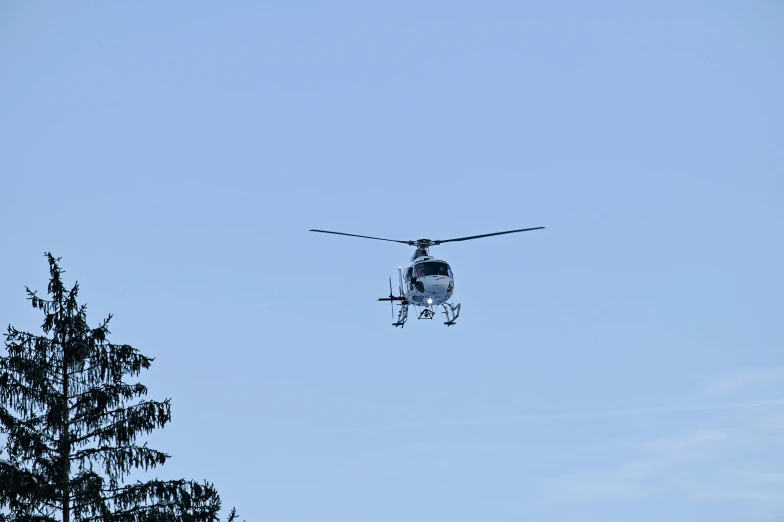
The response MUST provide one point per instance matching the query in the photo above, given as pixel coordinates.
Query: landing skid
(402, 316)
(450, 311)
(455, 309)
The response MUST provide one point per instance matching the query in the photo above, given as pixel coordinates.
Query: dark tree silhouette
(71, 425)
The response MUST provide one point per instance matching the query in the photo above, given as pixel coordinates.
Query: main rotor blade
(484, 235)
(355, 235)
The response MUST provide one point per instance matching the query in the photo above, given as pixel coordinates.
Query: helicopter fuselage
(427, 282)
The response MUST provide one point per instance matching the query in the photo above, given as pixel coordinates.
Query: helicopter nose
(440, 285)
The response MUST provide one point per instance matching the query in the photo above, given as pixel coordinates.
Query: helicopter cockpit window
(433, 268)
(409, 272)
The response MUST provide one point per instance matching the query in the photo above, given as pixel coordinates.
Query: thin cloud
(767, 478)
(590, 486)
(671, 463)
(639, 477)
(593, 414)
(761, 493)
(775, 423)
(688, 441)
(742, 378)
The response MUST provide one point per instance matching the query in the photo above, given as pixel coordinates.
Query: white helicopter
(427, 282)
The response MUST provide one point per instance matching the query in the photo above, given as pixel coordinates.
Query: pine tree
(71, 425)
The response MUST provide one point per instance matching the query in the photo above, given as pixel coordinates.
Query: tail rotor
(391, 301)
(403, 304)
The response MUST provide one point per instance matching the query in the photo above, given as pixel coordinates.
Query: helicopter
(427, 282)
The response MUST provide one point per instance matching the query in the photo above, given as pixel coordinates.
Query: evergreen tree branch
(23, 437)
(22, 489)
(110, 393)
(94, 417)
(24, 395)
(124, 425)
(119, 461)
(178, 500)
(39, 350)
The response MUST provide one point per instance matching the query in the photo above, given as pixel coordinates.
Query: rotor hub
(422, 248)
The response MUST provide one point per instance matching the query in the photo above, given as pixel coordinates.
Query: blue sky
(623, 364)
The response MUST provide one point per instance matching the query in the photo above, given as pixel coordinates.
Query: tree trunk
(65, 438)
